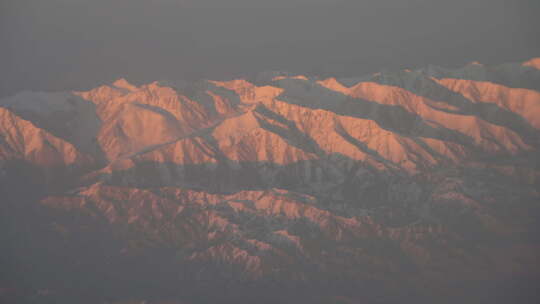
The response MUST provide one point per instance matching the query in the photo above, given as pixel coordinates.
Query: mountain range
(410, 186)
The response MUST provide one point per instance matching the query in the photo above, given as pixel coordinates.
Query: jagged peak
(122, 83)
(334, 85)
(298, 77)
(231, 84)
(533, 62)
(154, 85)
(237, 125)
(248, 92)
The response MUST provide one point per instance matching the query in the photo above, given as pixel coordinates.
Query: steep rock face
(62, 114)
(22, 140)
(520, 101)
(428, 177)
(246, 138)
(33, 161)
(136, 127)
(248, 92)
(439, 113)
(136, 119)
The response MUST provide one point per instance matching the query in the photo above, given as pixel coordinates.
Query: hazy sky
(65, 44)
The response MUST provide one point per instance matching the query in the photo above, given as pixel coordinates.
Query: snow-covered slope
(428, 176)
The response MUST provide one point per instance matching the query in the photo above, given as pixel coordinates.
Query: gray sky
(68, 44)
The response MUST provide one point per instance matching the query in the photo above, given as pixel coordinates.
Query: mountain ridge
(366, 189)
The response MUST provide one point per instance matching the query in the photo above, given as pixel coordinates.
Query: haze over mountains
(402, 186)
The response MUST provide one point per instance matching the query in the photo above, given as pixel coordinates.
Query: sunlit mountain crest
(428, 177)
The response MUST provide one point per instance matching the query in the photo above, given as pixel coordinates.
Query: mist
(76, 44)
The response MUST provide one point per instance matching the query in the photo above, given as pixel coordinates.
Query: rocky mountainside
(413, 186)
